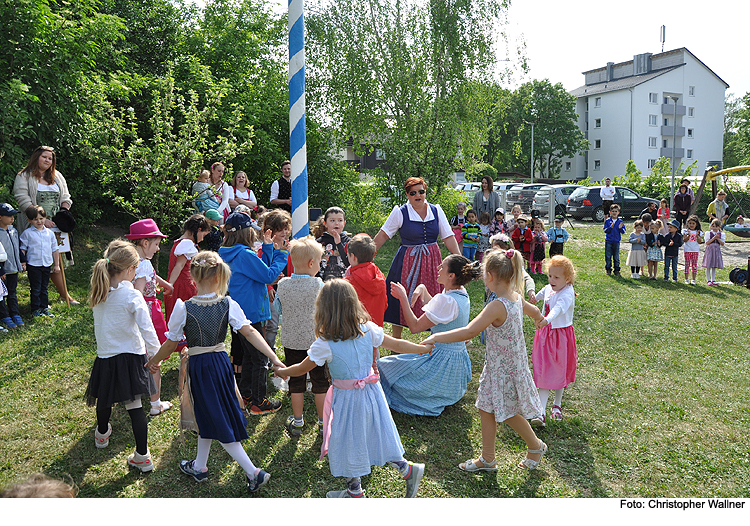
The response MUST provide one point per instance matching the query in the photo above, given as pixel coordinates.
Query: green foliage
(365, 210)
(448, 198)
(476, 171)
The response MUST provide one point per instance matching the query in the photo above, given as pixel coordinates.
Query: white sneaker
(692, 282)
(102, 441)
(687, 282)
(636, 276)
(142, 463)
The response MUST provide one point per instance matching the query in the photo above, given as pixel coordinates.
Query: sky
(565, 38)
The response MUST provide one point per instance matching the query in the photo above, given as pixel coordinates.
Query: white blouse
(320, 350)
(177, 320)
(186, 248)
(561, 305)
(442, 308)
(396, 219)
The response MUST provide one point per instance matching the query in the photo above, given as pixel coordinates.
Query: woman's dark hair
(464, 269)
(194, 224)
(32, 167)
(490, 182)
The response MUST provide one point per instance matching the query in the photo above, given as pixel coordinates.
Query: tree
(395, 74)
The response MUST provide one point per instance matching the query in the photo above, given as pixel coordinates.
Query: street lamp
(532, 150)
(674, 147)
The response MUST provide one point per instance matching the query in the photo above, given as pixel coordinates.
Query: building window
(652, 120)
(651, 163)
(597, 144)
(666, 122)
(690, 154)
(597, 165)
(691, 91)
(598, 102)
(652, 142)
(690, 133)
(653, 98)
(664, 144)
(567, 166)
(691, 112)
(379, 154)
(598, 123)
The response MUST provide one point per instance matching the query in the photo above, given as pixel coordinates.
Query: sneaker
(37, 313)
(8, 322)
(539, 421)
(636, 276)
(416, 471)
(666, 279)
(617, 273)
(344, 494)
(294, 430)
(186, 466)
(692, 282)
(687, 282)
(48, 313)
(609, 273)
(17, 320)
(102, 441)
(675, 280)
(265, 407)
(260, 480)
(142, 463)
(3, 330)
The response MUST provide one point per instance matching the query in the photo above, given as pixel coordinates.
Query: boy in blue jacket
(614, 227)
(248, 287)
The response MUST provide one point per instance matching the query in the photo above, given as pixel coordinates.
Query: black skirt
(121, 378)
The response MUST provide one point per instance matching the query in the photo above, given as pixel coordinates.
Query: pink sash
(358, 383)
(157, 317)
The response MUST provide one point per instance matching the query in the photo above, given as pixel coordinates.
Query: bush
(479, 170)
(364, 206)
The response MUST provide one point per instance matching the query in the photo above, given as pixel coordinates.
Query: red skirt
(554, 357)
(157, 317)
(420, 266)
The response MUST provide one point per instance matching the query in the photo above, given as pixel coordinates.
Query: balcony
(667, 152)
(668, 109)
(670, 131)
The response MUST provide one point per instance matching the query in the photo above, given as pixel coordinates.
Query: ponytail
(119, 256)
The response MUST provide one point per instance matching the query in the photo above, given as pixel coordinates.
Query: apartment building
(663, 105)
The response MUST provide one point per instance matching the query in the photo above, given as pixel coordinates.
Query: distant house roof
(618, 84)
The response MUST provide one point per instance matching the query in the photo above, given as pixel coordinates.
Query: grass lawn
(659, 408)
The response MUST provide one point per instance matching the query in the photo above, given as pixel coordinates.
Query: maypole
(297, 131)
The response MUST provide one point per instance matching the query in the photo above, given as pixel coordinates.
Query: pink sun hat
(143, 229)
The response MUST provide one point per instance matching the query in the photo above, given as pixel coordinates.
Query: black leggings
(635, 270)
(137, 419)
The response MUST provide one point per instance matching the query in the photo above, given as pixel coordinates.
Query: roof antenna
(663, 36)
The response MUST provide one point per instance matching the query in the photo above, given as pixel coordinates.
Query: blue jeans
(670, 260)
(612, 251)
(470, 252)
(38, 282)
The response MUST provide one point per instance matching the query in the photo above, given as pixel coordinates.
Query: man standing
(281, 190)
(607, 193)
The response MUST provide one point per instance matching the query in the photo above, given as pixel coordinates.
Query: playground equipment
(711, 175)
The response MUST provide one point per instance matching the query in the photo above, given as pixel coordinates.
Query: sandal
(531, 465)
(165, 406)
(471, 466)
(556, 413)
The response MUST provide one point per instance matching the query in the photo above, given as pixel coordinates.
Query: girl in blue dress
(358, 430)
(210, 385)
(426, 384)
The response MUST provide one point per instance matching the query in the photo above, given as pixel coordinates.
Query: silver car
(562, 192)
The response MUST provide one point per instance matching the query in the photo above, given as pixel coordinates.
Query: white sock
(238, 453)
(201, 457)
(543, 397)
(558, 397)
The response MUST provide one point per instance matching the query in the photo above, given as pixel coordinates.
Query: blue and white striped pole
(297, 130)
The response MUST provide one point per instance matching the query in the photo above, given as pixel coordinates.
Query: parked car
(562, 192)
(523, 196)
(586, 202)
(469, 189)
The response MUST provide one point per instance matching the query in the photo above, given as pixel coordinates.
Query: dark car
(523, 196)
(586, 202)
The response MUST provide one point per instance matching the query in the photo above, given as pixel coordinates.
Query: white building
(627, 111)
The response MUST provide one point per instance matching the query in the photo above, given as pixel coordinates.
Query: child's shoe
(8, 322)
(48, 313)
(186, 466)
(344, 494)
(556, 413)
(539, 421)
(260, 480)
(294, 430)
(692, 282)
(3, 330)
(37, 313)
(687, 282)
(17, 320)
(102, 441)
(142, 463)
(265, 407)
(416, 471)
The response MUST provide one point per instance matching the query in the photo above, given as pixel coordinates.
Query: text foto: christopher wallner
(681, 504)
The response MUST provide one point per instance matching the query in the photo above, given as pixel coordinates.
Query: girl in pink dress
(506, 389)
(553, 354)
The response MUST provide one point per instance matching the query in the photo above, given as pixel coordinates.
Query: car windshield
(579, 192)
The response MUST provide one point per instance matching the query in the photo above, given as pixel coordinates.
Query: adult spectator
(486, 199)
(41, 184)
(682, 204)
(222, 189)
(719, 208)
(281, 189)
(607, 193)
(420, 225)
(241, 194)
(650, 209)
(686, 182)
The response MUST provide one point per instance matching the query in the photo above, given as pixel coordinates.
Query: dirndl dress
(416, 262)
(184, 286)
(712, 257)
(554, 356)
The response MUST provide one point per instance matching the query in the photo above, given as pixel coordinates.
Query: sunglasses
(415, 192)
(45, 148)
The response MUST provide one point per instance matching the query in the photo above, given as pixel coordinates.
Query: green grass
(659, 408)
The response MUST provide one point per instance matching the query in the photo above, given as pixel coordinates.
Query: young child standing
(203, 194)
(471, 233)
(513, 221)
(294, 296)
(522, 237)
(671, 243)
(484, 235)
(498, 225)
(613, 229)
(457, 222)
(662, 214)
(248, 287)
(653, 250)
(215, 236)
(366, 277)
(9, 313)
(692, 237)
(334, 240)
(554, 352)
(183, 249)
(124, 335)
(506, 389)
(637, 255)
(358, 428)
(557, 237)
(536, 252)
(203, 321)
(147, 237)
(712, 258)
(39, 248)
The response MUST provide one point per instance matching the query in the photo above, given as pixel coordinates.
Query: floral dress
(506, 387)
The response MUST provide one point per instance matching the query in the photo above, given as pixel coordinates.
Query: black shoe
(617, 273)
(265, 407)
(609, 273)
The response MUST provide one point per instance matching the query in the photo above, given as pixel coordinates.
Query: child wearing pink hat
(146, 236)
